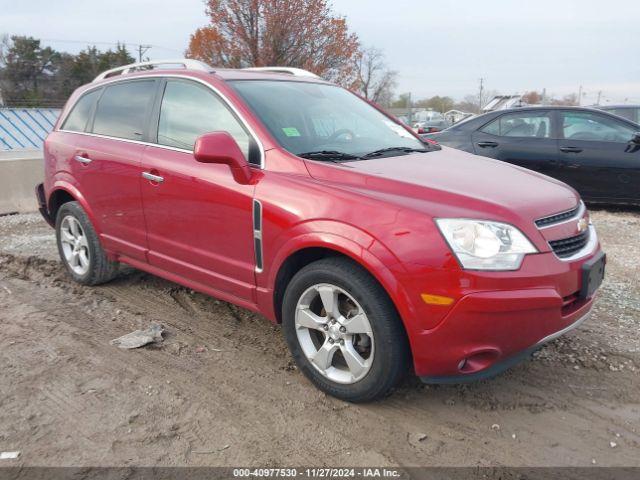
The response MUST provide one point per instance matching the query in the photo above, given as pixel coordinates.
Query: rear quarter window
(79, 116)
(124, 108)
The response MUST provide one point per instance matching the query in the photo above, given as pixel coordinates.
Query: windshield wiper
(327, 155)
(382, 151)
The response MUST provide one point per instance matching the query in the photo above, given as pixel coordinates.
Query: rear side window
(123, 109)
(188, 110)
(521, 124)
(77, 120)
(628, 113)
(622, 112)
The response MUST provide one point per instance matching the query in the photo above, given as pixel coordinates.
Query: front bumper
(507, 363)
(42, 205)
(498, 318)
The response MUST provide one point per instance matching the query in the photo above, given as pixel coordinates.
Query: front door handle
(153, 178)
(570, 149)
(487, 144)
(83, 160)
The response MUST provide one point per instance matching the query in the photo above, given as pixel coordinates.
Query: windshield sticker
(291, 132)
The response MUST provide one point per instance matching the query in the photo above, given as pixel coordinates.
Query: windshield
(311, 118)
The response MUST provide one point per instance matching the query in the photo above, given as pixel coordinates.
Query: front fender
(350, 241)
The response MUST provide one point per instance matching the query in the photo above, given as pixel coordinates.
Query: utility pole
(480, 95)
(580, 95)
(410, 108)
(599, 96)
(142, 49)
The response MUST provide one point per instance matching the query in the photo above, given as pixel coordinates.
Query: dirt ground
(222, 391)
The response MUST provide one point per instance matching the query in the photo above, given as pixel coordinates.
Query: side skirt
(199, 287)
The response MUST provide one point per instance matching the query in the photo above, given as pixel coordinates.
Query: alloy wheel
(335, 333)
(75, 246)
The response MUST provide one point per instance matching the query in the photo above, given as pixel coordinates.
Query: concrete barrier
(20, 172)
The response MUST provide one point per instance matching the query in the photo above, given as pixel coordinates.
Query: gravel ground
(222, 390)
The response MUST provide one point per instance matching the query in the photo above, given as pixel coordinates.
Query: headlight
(485, 245)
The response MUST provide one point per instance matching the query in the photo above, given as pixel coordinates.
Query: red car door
(199, 219)
(106, 163)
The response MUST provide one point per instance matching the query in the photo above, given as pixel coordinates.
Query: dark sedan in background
(595, 152)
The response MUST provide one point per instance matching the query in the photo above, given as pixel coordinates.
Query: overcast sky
(441, 47)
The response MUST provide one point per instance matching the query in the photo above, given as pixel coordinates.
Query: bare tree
(376, 81)
(5, 44)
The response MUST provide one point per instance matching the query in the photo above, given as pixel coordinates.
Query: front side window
(594, 127)
(309, 117)
(123, 109)
(188, 110)
(79, 116)
(520, 124)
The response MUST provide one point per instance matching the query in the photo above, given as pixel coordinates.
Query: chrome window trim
(579, 214)
(224, 99)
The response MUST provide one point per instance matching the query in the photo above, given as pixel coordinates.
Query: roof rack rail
(296, 72)
(187, 63)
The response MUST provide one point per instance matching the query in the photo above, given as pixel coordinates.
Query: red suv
(295, 198)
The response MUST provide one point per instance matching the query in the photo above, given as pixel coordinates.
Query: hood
(451, 181)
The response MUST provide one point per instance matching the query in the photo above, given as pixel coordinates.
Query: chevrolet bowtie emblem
(582, 225)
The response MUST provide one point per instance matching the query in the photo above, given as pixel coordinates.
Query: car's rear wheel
(343, 331)
(79, 247)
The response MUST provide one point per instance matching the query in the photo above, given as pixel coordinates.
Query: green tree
(34, 75)
(438, 103)
(28, 70)
(402, 101)
(77, 70)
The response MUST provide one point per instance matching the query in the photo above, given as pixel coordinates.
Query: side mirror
(636, 138)
(220, 147)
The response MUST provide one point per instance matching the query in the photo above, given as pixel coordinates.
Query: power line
(87, 43)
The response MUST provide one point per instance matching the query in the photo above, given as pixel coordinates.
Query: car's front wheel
(343, 331)
(79, 247)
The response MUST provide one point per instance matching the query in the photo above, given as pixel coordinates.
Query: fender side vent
(257, 233)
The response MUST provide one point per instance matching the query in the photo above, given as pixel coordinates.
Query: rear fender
(65, 184)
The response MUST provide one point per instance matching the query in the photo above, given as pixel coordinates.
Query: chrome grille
(557, 218)
(569, 246)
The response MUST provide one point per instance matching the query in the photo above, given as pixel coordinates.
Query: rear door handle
(487, 144)
(570, 149)
(153, 178)
(83, 160)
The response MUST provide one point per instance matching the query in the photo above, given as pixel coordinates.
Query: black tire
(100, 268)
(392, 354)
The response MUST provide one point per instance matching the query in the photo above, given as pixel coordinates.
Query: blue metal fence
(25, 128)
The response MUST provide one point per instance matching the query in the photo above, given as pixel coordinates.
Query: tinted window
(188, 110)
(591, 126)
(521, 124)
(123, 108)
(79, 116)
